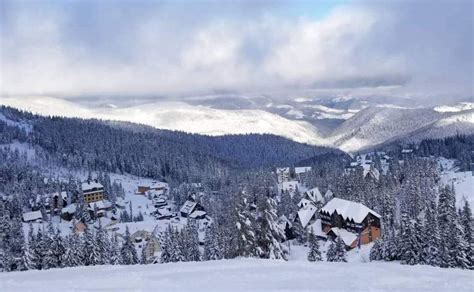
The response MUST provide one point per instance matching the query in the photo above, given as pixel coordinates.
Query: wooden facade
(368, 230)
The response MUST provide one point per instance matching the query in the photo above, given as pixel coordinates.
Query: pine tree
(90, 249)
(128, 252)
(245, 222)
(192, 241)
(314, 254)
(376, 252)
(166, 246)
(103, 246)
(72, 254)
(212, 248)
(270, 235)
(431, 236)
(409, 245)
(115, 256)
(446, 222)
(331, 252)
(340, 255)
(467, 224)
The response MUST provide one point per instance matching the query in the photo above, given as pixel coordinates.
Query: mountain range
(350, 124)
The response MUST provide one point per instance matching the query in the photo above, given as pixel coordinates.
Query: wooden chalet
(354, 222)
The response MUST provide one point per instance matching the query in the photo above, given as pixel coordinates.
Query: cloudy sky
(181, 48)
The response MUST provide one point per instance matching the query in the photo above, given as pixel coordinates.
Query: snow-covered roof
(32, 216)
(304, 202)
(305, 214)
(188, 207)
(346, 236)
(315, 195)
(196, 214)
(283, 170)
(303, 169)
(407, 150)
(102, 204)
(71, 209)
(354, 163)
(158, 185)
(86, 186)
(155, 192)
(317, 228)
(329, 194)
(348, 209)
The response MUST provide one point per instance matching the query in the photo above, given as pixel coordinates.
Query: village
(148, 204)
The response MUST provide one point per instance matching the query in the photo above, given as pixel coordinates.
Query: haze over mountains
(350, 124)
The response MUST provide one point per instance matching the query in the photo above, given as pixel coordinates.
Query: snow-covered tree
(314, 254)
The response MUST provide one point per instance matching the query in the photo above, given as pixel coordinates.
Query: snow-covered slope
(242, 275)
(179, 116)
(359, 125)
(375, 125)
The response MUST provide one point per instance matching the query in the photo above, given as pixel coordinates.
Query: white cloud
(162, 53)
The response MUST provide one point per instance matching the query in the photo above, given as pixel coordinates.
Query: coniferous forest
(231, 177)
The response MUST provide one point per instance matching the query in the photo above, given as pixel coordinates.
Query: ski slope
(243, 275)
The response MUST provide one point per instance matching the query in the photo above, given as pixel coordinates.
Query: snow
(71, 209)
(188, 207)
(22, 148)
(242, 275)
(196, 214)
(86, 186)
(463, 185)
(315, 195)
(349, 209)
(306, 213)
(361, 129)
(178, 116)
(303, 169)
(102, 204)
(346, 236)
(317, 228)
(455, 108)
(32, 216)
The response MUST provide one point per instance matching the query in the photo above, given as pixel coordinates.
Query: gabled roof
(305, 214)
(86, 186)
(346, 236)
(196, 214)
(32, 216)
(317, 228)
(304, 202)
(349, 210)
(315, 195)
(70, 209)
(188, 207)
(102, 204)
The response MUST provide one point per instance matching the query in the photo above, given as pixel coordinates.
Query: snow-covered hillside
(242, 275)
(179, 116)
(310, 121)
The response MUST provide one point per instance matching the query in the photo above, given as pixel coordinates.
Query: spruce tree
(314, 254)
(376, 252)
(270, 235)
(128, 252)
(192, 241)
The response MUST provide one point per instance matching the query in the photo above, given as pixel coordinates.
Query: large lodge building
(355, 223)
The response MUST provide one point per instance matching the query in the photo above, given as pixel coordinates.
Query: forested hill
(149, 152)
